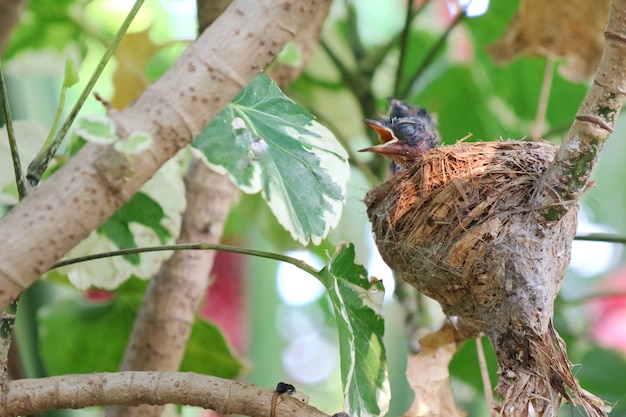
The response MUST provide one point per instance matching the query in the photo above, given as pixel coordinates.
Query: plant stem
(196, 246)
(15, 156)
(430, 56)
(404, 46)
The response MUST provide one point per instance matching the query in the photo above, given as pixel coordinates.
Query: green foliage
(140, 209)
(49, 25)
(358, 310)
(82, 336)
(269, 144)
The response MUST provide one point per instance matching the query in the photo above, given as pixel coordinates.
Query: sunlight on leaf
(358, 309)
(267, 143)
(96, 128)
(136, 143)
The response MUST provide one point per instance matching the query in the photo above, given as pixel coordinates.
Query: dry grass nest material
(462, 227)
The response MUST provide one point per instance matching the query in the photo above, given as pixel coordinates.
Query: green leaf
(208, 352)
(291, 55)
(136, 143)
(151, 217)
(71, 75)
(358, 308)
(267, 143)
(81, 337)
(96, 128)
(140, 209)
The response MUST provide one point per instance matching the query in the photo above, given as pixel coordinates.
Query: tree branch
(568, 176)
(32, 396)
(98, 180)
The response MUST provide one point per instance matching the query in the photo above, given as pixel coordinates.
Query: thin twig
(354, 39)
(404, 42)
(602, 237)
(15, 156)
(194, 246)
(430, 56)
(484, 375)
(544, 97)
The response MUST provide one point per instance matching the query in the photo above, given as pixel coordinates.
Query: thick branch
(97, 181)
(32, 396)
(568, 176)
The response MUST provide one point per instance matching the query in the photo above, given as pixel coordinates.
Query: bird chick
(406, 135)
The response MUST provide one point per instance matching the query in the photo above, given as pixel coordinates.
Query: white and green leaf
(358, 309)
(96, 128)
(267, 143)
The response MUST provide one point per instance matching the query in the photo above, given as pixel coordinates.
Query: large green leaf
(358, 308)
(269, 144)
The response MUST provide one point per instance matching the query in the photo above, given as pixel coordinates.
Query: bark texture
(31, 396)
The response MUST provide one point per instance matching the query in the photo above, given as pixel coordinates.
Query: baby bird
(406, 135)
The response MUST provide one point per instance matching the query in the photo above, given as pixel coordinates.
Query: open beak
(384, 133)
(390, 148)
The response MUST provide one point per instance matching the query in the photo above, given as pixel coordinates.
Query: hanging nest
(460, 226)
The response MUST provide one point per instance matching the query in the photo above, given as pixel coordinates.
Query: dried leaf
(427, 373)
(133, 53)
(573, 30)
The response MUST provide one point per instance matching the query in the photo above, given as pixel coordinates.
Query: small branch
(484, 375)
(568, 176)
(544, 97)
(602, 237)
(354, 39)
(15, 156)
(404, 46)
(430, 56)
(195, 246)
(32, 396)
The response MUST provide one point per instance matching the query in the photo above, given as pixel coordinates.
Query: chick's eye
(406, 131)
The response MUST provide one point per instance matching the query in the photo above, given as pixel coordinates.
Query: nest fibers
(460, 226)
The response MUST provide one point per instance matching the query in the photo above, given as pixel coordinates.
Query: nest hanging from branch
(460, 226)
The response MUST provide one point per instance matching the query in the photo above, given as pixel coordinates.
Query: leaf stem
(15, 156)
(41, 161)
(197, 246)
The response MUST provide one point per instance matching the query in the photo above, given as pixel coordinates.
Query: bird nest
(462, 226)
